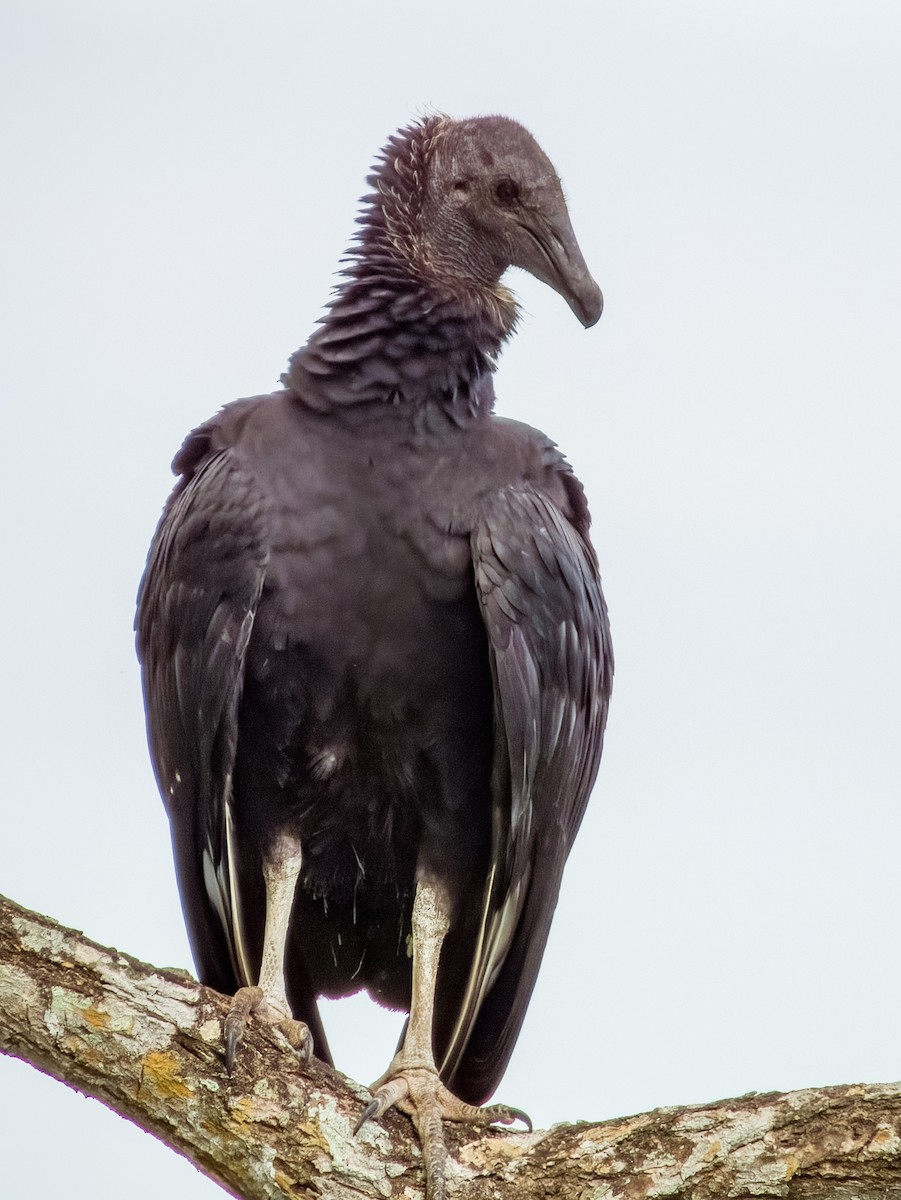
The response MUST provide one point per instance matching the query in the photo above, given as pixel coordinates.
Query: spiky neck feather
(402, 327)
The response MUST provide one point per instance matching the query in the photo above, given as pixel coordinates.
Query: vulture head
(461, 201)
(421, 311)
(492, 201)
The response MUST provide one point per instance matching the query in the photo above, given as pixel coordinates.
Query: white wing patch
(219, 881)
(240, 949)
(216, 886)
(491, 947)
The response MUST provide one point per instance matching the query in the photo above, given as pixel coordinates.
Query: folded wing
(196, 609)
(552, 665)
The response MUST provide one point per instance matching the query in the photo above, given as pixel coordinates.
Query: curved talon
(290, 1034)
(371, 1110)
(384, 1096)
(244, 1002)
(294, 1038)
(503, 1114)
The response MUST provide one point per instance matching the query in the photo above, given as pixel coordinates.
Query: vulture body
(375, 651)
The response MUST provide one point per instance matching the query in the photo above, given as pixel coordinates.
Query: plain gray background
(179, 181)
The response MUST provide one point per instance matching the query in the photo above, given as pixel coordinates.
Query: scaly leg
(268, 1001)
(412, 1082)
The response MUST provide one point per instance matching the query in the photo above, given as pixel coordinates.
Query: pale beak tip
(588, 304)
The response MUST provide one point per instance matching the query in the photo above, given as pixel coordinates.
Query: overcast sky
(179, 181)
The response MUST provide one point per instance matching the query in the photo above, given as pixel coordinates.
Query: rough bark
(147, 1043)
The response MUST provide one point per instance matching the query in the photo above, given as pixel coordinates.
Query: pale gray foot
(412, 1083)
(268, 1001)
(253, 1001)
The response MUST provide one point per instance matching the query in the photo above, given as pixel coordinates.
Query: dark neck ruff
(397, 332)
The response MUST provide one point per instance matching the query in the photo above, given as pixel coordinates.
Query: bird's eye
(506, 191)
(461, 185)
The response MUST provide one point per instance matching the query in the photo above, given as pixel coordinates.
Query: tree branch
(147, 1043)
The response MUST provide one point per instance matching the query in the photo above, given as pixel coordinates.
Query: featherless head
(455, 203)
(421, 312)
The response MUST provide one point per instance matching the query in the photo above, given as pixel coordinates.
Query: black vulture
(376, 655)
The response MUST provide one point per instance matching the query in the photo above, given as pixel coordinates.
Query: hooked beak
(546, 247)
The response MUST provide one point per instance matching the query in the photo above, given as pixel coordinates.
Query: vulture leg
(268, 1001)
(412, 1082)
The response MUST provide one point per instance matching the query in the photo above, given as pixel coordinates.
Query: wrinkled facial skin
(493, 200)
